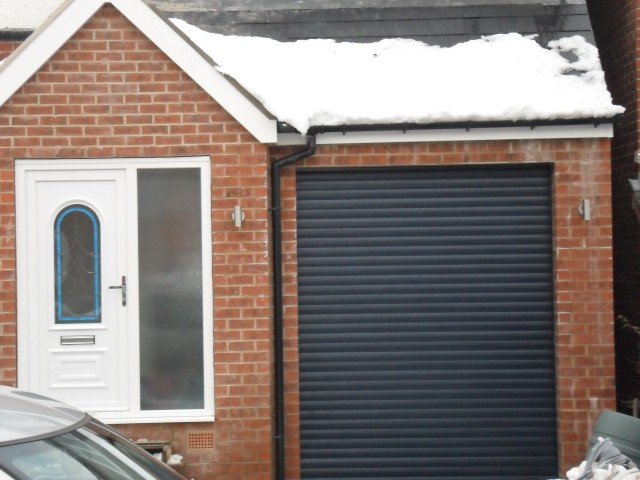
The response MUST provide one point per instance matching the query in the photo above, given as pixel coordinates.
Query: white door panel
(80, 362)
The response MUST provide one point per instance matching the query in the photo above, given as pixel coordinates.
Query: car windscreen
(89, 453)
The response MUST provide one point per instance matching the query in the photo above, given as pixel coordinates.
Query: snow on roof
(25, 14)
(312, 83)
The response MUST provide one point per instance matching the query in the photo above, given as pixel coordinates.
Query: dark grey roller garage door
(426, 323)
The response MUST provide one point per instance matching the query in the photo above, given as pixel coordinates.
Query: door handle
(123, 289)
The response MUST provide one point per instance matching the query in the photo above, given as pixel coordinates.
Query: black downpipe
(278, 311)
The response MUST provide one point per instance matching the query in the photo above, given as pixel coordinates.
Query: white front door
(76, 223)
(114, 309)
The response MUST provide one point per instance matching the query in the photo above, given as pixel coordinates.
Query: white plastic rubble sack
(605, 462)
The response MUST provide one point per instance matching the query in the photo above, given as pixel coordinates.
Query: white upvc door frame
(26, 269)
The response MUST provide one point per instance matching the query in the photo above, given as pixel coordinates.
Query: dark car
(43, 439)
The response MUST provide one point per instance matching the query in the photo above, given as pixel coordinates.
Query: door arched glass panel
(77, 265)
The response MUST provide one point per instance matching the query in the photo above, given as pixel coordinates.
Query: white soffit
(72, 15)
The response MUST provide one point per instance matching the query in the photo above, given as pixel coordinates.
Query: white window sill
(156, 418)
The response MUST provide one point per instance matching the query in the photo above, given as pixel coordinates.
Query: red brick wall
(616, 24)
(7, 257)
(109, 92)
(6, 47)
(583, 260)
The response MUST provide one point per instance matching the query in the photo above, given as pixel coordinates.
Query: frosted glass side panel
(171, 309)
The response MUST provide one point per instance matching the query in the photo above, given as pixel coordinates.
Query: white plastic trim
(22, 287)
(454, 135)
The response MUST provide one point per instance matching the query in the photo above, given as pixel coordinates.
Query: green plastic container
(623, 431)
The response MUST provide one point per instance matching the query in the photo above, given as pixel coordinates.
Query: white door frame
(25, 264)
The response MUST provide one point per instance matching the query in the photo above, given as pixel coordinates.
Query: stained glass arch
(77, 265)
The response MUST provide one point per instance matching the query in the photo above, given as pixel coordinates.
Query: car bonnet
(25, 416)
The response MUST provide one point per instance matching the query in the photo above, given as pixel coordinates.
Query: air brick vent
(200, 441)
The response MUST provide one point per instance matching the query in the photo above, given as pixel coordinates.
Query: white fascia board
(200, 68)
(43, 43)
(549, 132)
